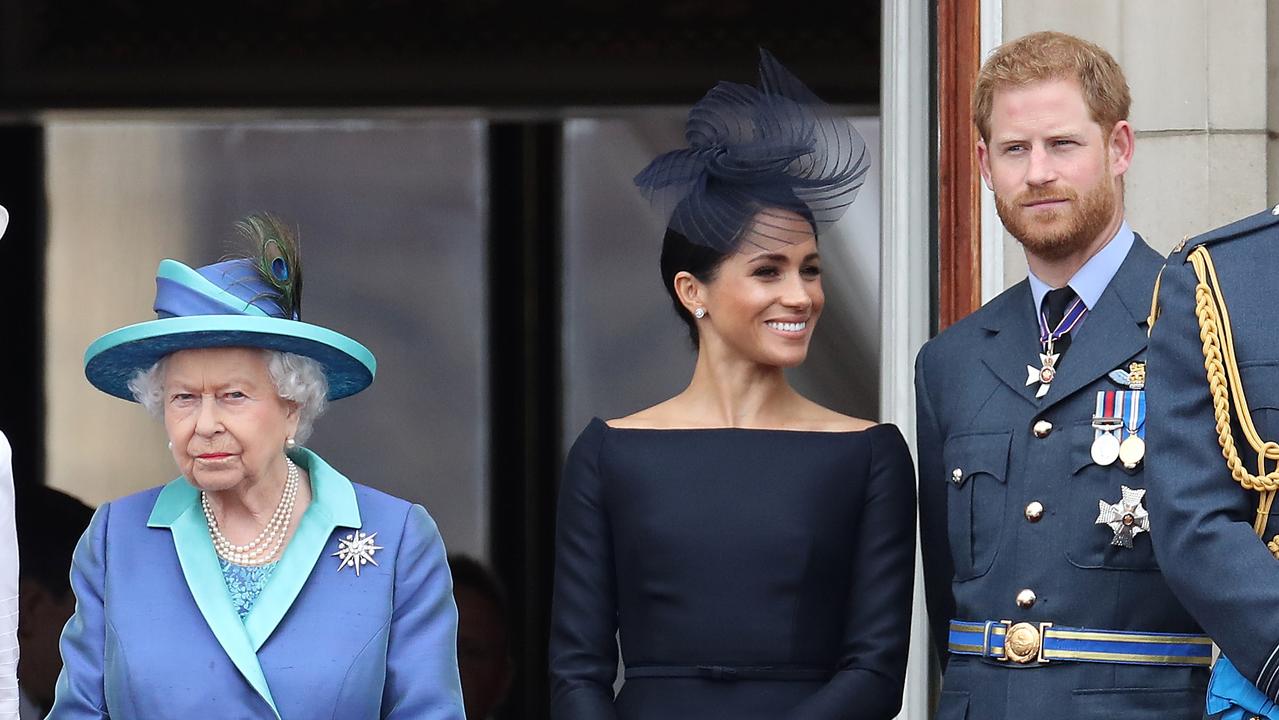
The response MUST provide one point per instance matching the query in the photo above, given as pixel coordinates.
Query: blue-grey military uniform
(1034, 609)
(1202, 519)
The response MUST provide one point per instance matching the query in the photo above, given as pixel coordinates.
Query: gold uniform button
(1043, 429)
(1034, 511)
(1026, 599)
(957, 474)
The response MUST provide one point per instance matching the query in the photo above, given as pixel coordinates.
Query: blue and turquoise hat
(227, 304)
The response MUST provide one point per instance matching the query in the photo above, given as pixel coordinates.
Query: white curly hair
(296, 378)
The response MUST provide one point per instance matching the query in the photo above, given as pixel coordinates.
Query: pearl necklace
(266, 546)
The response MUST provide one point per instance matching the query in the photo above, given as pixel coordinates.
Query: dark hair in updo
(679, 254)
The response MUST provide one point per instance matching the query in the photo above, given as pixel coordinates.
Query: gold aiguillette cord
(1225, 385)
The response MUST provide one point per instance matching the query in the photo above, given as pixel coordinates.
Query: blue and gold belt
(1025, 643)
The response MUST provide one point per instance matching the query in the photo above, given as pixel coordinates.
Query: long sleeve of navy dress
(748, 574)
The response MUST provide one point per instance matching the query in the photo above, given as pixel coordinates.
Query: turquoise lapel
(178, 508)
(332, 506)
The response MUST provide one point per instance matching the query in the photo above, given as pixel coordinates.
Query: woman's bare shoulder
(819, 417)
(665, 414)
(674, 414)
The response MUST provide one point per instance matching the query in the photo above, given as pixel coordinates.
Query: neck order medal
(1045, 373)
(1048, 338)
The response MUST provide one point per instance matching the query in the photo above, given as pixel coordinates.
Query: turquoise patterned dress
(245, 583)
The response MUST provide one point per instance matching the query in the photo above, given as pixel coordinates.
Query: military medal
(1105, 448)
(1130, 406)
(1127, 518)
(1131, 451)
(356, 550)
(1045, 373)
(1106, 422)
(1047, 369)
(1133, 448)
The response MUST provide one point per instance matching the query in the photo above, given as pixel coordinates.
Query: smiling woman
(688, 266)
(763, 304)
(216, 575)
(753, 549)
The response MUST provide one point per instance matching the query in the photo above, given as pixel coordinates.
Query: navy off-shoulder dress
(748, 574)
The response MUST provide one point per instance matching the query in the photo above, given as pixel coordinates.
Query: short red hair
(1051, 55)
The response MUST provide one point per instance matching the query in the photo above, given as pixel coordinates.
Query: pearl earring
(290, 443)
(170, 444)
(699, 313)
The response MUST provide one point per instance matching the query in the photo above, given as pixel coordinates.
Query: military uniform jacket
(981, 464)
(1202, 519)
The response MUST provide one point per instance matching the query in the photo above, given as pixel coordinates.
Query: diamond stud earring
(699, 313)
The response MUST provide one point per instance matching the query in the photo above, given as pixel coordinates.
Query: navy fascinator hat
(752, 152)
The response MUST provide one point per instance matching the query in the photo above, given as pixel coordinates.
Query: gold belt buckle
(1024, 642)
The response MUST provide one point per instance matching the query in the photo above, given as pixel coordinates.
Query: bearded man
(1044, 595)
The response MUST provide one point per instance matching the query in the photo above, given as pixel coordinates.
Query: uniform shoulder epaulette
(1246, 226)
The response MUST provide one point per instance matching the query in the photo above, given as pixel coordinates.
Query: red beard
(1057, 234)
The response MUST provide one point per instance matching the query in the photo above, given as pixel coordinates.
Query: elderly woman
(262, 582)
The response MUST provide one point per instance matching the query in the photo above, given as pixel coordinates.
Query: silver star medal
(1043, 374)
(356, 550)
(1126, 517)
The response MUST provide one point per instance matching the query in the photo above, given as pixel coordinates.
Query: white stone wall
(100, 448)
(1201, 80)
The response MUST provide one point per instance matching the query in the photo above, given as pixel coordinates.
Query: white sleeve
(8, 589)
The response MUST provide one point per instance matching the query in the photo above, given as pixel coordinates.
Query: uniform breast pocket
(1092, 544)
(1261, 387)
(976, 469)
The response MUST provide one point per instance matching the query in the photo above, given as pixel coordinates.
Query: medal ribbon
(1074, 314)
(1135, 413)
(1109, 403)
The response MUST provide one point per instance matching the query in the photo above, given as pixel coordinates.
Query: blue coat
(1202, 519)
(155, 634)
(981, 465)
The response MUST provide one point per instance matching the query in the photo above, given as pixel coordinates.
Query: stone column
(106, 181)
